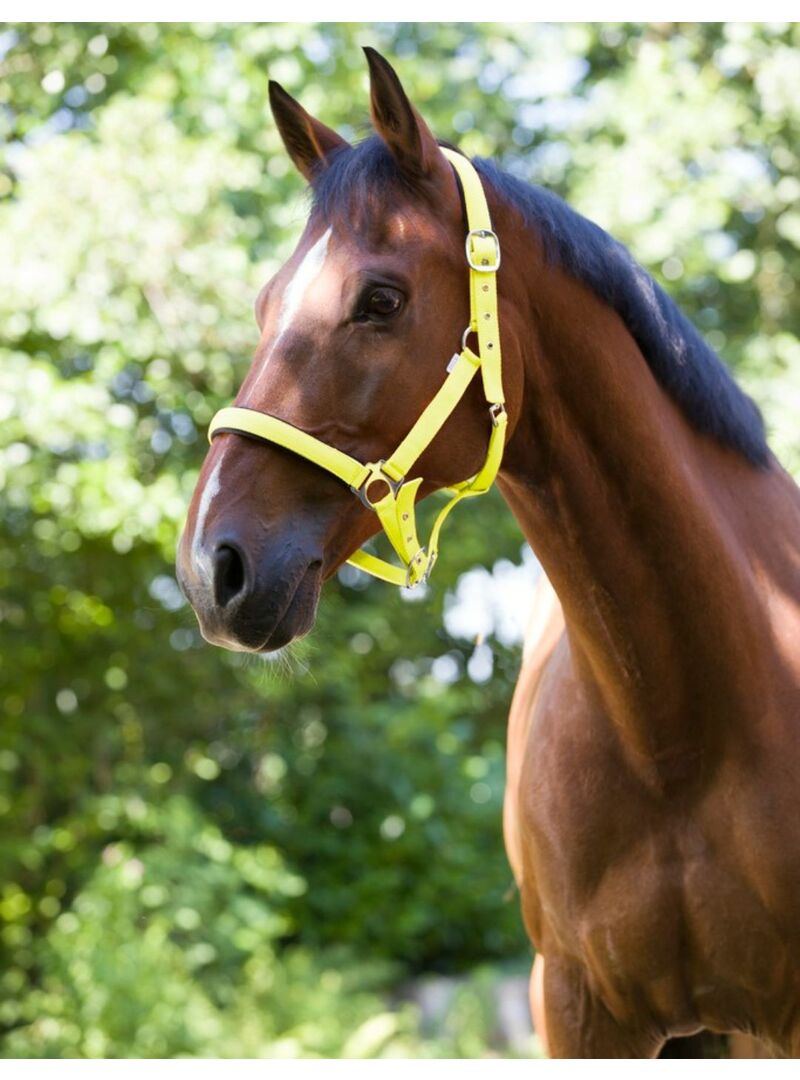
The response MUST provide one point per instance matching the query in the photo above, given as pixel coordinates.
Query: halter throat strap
(383, 486)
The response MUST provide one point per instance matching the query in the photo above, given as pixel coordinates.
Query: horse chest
(667, 902)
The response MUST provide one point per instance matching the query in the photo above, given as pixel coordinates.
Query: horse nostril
(229, 576)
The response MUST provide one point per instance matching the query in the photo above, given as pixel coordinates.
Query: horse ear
(308, 142)
(397, 121)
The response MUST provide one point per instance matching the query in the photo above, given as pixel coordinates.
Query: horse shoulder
(543, 633)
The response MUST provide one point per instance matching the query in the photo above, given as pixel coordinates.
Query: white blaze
(209, 492)
(303, 278)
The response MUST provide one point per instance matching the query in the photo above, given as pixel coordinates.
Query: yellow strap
(433, 416)
(482, 250)
(379, 568)
(398, 518)
(480, 483)
(263, 426)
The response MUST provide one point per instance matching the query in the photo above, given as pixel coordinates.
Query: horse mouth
(300, 613)
(263, 625)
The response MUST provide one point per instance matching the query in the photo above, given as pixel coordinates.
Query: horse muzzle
(251, 598)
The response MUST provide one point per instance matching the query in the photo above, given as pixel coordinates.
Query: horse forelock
(362, 188)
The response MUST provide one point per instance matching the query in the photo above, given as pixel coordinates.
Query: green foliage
(170, 949)
(202, 856)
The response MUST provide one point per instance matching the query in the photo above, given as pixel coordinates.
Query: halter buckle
(427, 571)
(483, 267)
(497, 413)
(377, 474)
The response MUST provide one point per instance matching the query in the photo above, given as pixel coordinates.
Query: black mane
(688, 369)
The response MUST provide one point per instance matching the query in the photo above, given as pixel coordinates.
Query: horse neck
(646, 528)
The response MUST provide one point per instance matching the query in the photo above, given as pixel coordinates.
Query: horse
(652, 804)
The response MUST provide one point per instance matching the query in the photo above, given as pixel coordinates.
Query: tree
(353, 804)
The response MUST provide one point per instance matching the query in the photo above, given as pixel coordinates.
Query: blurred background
(205, 855)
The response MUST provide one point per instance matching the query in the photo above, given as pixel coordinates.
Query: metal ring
(377, 473)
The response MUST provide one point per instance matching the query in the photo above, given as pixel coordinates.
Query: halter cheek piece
(382, 485)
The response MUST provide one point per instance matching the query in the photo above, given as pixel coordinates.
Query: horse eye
(380, 303)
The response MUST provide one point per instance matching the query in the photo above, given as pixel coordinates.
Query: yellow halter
(396, 508)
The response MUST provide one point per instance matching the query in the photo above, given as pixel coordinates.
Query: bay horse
(652, 814)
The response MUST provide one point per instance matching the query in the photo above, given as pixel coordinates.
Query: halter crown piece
(395, 497)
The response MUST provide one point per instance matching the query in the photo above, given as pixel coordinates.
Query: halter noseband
(396, 508)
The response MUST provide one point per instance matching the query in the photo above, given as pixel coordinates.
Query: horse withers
(652, 801)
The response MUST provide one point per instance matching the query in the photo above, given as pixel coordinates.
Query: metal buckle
(485, 268)
(427, 572)
(431, 563)
(497, 412)
(377, 473)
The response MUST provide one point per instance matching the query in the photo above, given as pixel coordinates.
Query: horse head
(357, 329)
